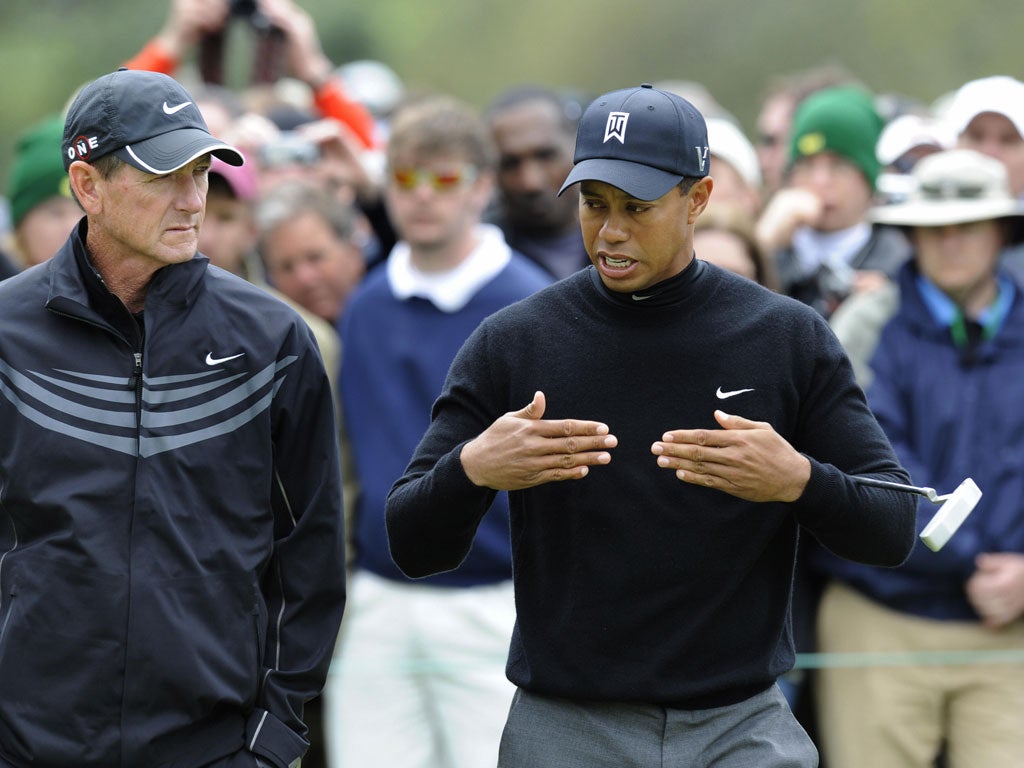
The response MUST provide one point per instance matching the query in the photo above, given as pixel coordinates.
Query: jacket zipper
(135, 382)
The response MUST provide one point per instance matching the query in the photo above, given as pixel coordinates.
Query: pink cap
(241, 178)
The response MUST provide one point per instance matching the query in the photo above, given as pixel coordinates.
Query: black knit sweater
(630, 584)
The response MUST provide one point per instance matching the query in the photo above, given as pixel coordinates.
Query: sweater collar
(77, 289)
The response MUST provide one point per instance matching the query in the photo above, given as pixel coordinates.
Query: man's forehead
(992, 122)
(416, 157)
(530, 124)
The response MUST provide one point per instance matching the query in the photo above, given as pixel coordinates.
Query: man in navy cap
(664, 429)
(171, 558)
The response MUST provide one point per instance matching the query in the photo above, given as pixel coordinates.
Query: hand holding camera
(189, 21)
(304, 58)
(268, 49)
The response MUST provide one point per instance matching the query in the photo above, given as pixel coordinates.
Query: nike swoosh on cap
(211, 360)
(726, 395)
(176, 108)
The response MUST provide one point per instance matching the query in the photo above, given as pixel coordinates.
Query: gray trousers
(760, 732)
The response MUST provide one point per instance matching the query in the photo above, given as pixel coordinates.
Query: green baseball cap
(841, 120)
(38, 173)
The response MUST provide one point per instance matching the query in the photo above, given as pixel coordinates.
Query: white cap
(907, 132)
(727, 142)
(373, 84)
(957, 186)
(1001, 94)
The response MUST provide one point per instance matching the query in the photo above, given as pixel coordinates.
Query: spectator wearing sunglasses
(418, 676)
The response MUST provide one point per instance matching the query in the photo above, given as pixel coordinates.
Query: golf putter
(956, 506)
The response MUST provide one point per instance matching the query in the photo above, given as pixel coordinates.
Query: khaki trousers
(926, 683)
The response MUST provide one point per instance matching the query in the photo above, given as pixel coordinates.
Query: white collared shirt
(451, 289)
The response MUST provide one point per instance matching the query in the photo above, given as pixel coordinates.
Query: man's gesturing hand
(746, 458)
(521, 450)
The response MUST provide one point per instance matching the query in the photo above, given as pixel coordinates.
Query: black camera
(247, 11)
(266, 42)
(243, 9)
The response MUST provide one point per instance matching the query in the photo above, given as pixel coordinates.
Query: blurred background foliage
(920, 49)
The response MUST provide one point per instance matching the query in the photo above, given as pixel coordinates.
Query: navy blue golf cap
(642, 140)
(145, 118)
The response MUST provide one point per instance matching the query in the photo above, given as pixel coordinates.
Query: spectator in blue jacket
(941, 353)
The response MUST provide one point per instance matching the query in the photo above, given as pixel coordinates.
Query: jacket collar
(77, 289)
(922, 314)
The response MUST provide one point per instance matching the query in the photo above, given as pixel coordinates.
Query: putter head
(951, 514)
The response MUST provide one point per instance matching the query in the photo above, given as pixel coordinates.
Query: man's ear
(699, 195)
(84, 181)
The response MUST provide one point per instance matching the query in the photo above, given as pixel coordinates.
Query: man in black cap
(171, 557)
(701, 421)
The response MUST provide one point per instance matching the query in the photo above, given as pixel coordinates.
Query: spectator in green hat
(43, 213)
(825, 249)
(816, 227)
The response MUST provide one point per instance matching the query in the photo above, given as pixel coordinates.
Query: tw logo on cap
(615, 128)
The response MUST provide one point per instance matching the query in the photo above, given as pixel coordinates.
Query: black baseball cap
(641, 140)
(145, 118)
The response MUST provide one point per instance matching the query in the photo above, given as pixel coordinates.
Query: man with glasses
(418, 678)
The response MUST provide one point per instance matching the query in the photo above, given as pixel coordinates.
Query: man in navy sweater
(665, 429)
(421, 661)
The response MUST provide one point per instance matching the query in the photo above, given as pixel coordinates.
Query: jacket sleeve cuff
(331, 100)
(272, 740)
